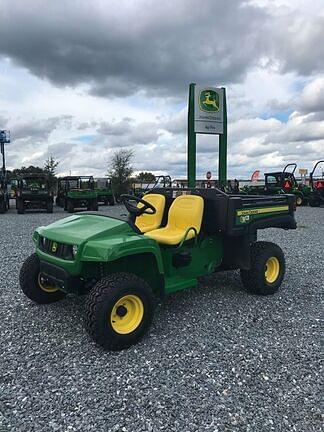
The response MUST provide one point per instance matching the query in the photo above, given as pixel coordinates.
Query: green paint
(222, 159)
(191, 162)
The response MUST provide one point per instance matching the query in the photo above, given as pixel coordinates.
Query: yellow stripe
(262, 210)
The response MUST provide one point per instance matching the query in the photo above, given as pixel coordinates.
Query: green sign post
(207, 115)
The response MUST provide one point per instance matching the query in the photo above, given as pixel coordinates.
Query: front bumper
(60, 278)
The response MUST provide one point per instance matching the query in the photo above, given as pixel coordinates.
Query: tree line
(120, 170)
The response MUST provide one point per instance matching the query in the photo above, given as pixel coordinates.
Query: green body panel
(82, 194)
(108, 245)
(104, 193)
(206, 256)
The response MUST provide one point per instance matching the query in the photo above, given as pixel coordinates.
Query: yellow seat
(149, 222)
(185, 212)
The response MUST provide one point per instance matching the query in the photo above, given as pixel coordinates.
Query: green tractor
(34, 192)
(103, 188)
(76, 192)
(171, 238)
(279, 182)
(316, 195)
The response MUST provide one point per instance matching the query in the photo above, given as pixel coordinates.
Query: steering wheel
(129, 200)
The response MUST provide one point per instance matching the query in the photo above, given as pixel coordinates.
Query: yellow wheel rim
(45, 287)
(298, 201)
(127, 314)
(272, 269)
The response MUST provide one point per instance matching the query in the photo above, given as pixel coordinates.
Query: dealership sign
(209, 112)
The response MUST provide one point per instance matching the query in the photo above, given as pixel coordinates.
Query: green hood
(80, 228)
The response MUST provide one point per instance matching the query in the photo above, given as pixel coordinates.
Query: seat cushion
(170, 236)
(185, 212)
(147, 222)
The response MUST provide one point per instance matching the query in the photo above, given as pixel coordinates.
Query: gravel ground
(216, 358)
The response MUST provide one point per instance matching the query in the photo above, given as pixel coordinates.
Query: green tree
(120, 171)
(146, 177)
(50, 168)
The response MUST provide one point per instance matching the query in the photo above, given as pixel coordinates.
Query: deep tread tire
(94, 205)
(70, 207)
(100, 302)
(20, 206)
(299, 200)
(49, 207)
(254, 279)
(2, 206)
(28, 280)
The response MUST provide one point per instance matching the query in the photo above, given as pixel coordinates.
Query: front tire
(32, 284)
(20, 206)
(119, 311)
(267, 269)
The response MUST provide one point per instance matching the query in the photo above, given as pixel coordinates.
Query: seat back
(149, 222)
(186, 212)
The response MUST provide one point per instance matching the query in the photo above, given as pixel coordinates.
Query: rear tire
(119, 311)
(70, 207)
(314, 202)
(111, 201)
(49, 207)
(20, 206)
(3, 206)
(267, 269)
(29, 281)
(94, 205)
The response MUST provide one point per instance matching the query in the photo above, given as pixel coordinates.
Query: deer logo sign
(209, 101)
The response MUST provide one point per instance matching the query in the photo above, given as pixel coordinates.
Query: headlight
(74, 250)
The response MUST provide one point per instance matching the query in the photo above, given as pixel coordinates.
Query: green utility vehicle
(34, 192)
(104, 191)
(172, 237)
(316, 196)
(279, 182)
(76, 192)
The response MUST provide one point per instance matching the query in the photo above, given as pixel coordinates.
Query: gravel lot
(216, 358)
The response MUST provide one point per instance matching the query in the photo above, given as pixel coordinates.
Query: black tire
(299, 200)
(314, 202)
(49, 207)
(70, 207)
(29, 283)
(20, 206)
(100, 305)
(255, 280)
(111, 201)
(94, 205)
(3, 206)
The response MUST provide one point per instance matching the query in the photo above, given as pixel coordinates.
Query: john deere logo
(209, 101)
(54, 247)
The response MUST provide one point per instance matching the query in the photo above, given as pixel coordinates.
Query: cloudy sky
(80, 79)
